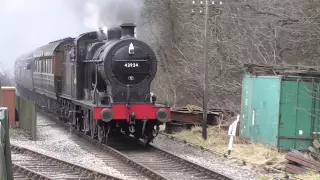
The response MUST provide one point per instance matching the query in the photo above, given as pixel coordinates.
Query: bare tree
(253, 31)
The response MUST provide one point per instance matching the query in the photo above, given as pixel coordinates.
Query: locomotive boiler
(98, 82)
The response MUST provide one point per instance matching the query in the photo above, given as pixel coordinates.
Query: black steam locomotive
(98, 82)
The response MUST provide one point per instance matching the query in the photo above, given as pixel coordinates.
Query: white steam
(107, 13)
(27, 24)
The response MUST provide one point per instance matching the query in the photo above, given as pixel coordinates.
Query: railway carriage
(22, 70)
(99, 83)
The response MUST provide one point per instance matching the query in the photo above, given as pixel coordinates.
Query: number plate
(131, 65)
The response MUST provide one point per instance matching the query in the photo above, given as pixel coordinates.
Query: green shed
(280, 111)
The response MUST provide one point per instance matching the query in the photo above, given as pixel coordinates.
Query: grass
(309, 175)
(243, 149)
(218, 140)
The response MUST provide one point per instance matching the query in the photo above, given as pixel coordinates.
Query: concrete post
(4, 118)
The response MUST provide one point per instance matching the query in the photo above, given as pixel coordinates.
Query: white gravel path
(211, 161)
(56, 142)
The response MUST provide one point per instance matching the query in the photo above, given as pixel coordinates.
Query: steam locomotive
(98, 82)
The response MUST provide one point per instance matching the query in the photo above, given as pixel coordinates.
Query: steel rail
(140, 166)
(125, 159)
(72, 169)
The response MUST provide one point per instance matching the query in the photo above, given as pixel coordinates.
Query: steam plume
(27, 24)
(108, 13)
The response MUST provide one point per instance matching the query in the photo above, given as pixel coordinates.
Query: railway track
(166, 164)
(111, 160)
(28, 164)
(150, 162)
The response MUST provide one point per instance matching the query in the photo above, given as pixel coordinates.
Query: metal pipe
(95, 101)
(128, 95)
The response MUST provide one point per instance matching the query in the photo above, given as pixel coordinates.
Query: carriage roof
(48, 49)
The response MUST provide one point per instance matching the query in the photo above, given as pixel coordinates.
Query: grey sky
(27, 24)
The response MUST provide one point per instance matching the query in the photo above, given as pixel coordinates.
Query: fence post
(232, 132)
(33, 122)
(4, 119)
(27, 116)
(3, 169)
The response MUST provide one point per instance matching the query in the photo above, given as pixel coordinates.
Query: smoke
(28, 24)
(108, 13)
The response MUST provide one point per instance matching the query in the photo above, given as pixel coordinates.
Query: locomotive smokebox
(127, 30)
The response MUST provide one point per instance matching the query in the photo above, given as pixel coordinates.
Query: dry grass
(253, 153)
(242, 149)
(310, 176)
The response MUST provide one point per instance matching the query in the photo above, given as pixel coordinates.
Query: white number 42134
(131, 65)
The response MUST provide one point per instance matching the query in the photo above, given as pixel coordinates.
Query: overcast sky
(27, 24)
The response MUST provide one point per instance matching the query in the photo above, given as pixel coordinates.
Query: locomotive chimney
(114, 33)
(127, 30)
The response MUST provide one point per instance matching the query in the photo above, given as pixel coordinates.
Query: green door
(245, 106)
(260, 108)
(316, 122)
(295, 114)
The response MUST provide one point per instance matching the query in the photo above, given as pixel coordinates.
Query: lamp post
(205, 50)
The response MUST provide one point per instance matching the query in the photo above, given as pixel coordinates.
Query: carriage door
(66, 74)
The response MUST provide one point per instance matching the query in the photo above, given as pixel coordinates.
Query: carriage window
(50, 66)
(46, 66)
(29, 65)
(41, 66)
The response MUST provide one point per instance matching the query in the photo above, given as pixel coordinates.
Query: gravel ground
(212, 161)
(56, 142)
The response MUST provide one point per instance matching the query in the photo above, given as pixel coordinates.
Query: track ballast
(152, 162)
(28, 164)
